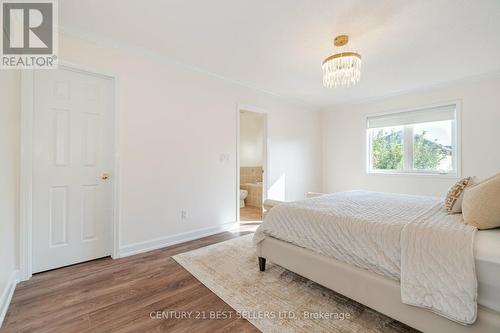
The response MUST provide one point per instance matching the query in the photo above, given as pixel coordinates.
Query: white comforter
(403, 237)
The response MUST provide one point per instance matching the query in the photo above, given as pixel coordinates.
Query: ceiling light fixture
(341, 69)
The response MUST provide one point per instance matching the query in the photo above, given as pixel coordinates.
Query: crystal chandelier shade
(341, 69)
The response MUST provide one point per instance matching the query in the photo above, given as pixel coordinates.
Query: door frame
(265, 153)
(26, 174)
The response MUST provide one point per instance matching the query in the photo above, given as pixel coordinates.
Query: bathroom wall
(251, 155)
(251, 138)
(254, 197)
(250, 175)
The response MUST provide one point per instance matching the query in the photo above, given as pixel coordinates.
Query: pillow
(481, 204)
(453, 201)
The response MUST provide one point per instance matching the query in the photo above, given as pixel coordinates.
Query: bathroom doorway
(252, 164)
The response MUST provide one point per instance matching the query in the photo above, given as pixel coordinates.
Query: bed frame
(373, 290)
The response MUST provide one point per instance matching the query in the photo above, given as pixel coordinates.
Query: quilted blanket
(403, 237)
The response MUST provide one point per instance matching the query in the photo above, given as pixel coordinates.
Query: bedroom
(120, 166)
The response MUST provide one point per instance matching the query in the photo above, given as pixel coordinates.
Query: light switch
(224, 157)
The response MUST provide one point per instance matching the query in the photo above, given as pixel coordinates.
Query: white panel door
(73, 146)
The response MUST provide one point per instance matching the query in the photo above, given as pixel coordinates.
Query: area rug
(278, 300)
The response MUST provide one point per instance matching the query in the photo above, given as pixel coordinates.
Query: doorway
(252, 164)
(71, 154)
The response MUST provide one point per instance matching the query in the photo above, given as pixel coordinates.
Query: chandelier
(341, 69)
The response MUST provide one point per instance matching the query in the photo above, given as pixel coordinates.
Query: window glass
(419, 141)
(433, 146)
(387, 148)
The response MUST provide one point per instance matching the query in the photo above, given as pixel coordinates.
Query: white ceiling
(278, 45)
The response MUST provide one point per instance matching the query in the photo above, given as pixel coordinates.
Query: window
(421, 141)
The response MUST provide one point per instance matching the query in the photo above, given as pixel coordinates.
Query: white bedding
(366, 229)
(437, 265)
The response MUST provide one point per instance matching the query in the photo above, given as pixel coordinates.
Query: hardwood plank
(251, 213)
(108, 295)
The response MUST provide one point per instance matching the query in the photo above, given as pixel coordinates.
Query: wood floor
(108, 295)
(250, 213)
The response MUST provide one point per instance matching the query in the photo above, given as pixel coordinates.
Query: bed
(399, 241)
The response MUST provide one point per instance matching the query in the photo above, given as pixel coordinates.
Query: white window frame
(408, 144)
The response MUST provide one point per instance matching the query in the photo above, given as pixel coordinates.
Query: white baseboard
(7, 294)
(158, 243)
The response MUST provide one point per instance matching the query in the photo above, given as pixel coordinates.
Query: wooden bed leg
(262, 264)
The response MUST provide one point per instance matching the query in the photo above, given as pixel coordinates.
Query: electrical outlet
(184, 214)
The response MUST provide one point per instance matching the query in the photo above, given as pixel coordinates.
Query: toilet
(243, 195)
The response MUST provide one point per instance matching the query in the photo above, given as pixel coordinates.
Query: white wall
(251, 139)
(345, 138)
(9, 173)
(175, 122)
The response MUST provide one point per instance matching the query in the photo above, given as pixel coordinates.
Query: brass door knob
(104, 176)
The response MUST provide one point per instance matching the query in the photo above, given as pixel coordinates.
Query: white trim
(265, 153)
(158, 243)
(116, 180)
(7, 293)
(408, 147)
(456, 140)
(452, 175)
(237, 164)
(26, 178)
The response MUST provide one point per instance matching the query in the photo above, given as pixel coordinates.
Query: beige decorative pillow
(453, 201)
(481, 204)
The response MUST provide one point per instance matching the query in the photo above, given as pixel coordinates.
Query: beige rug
(278, 300)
